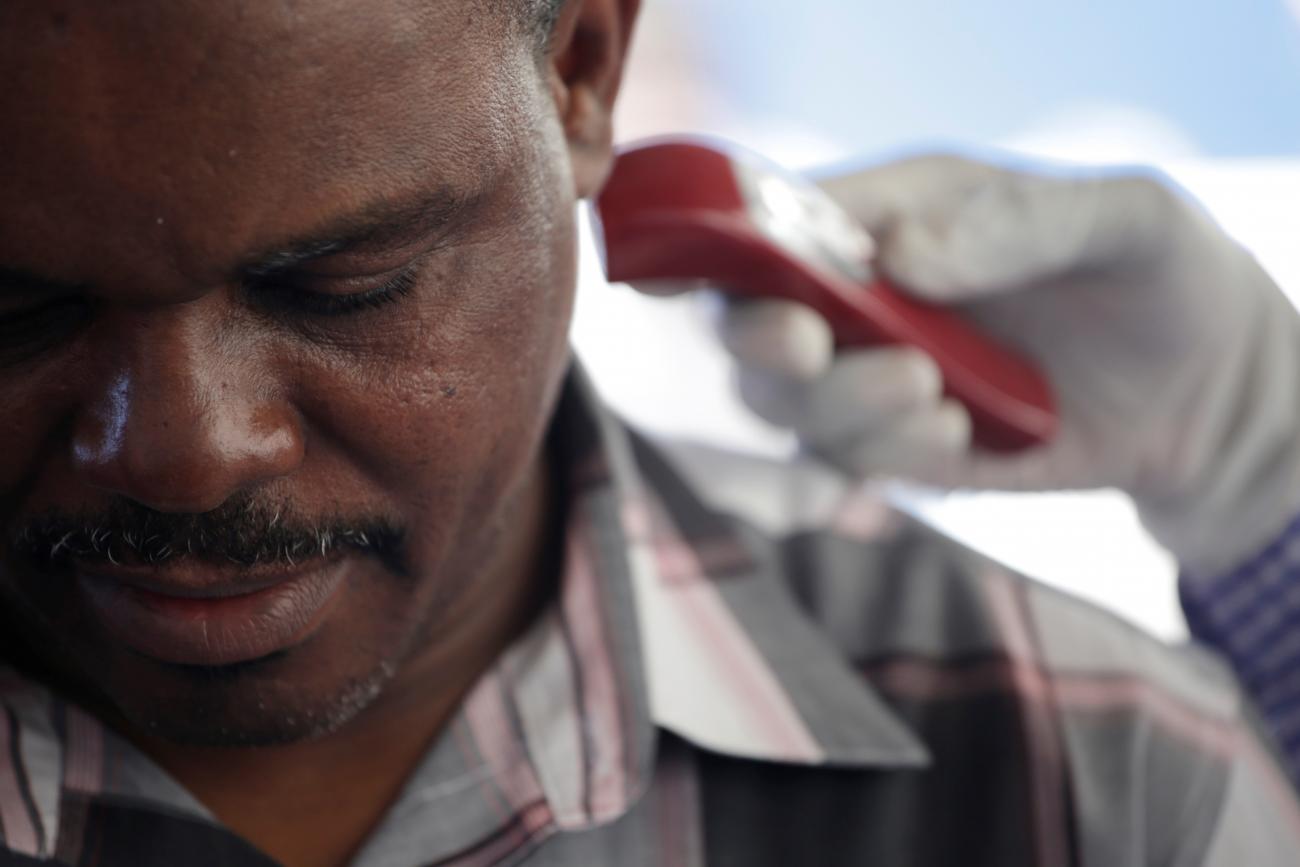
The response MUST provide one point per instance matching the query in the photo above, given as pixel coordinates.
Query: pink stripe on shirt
(15, 821)
(83, 761)
(1046, 753)
(489, 722)
(743, 672)
(607, 784)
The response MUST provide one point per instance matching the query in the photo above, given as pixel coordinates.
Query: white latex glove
(1175, 359)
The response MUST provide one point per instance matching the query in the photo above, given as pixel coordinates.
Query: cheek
(446, 410)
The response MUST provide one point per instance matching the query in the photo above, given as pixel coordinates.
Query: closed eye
(298, 294)
(28, 330)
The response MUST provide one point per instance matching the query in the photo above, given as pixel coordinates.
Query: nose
(180, 425)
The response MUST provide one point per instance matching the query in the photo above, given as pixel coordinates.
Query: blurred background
(1206, 90)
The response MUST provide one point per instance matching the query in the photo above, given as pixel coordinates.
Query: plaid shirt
(1252, 615)
(820, 681)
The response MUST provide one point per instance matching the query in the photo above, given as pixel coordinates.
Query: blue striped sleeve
(1252, 616)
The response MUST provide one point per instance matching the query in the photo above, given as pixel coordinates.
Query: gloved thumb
(774, 336)
(951, 229)
(881, 196)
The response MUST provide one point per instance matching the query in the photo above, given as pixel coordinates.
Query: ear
(585, 63)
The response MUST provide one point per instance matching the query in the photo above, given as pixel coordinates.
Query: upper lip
(199, 580)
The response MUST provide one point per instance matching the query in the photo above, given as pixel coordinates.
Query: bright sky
(883, 74)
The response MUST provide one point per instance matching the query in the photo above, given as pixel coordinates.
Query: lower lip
(214, 632)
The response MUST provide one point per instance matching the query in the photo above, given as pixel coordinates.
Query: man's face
(284, 291)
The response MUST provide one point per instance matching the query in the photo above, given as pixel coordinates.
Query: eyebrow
(384, 223)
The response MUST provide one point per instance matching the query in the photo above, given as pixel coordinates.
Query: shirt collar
(730, 662)
(670, 617)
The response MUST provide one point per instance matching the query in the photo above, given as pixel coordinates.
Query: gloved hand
(1175, 359)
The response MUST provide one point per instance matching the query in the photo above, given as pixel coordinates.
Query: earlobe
(585, 64)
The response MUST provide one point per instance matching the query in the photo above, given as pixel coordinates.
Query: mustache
(243, 530)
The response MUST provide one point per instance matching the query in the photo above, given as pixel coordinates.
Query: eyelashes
(295, 299)
(24, 333)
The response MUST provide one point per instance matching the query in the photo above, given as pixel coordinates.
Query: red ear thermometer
(687, 210)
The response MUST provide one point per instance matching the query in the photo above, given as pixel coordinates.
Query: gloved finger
(865, 391)
(779, 337)
(937, 434)
(776, 399)
(1017, 229)
(881, 195)
(667, 288)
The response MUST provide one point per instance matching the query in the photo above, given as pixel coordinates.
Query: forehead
(201, 128)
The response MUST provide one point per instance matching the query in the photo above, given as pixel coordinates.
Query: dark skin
(154, 156)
